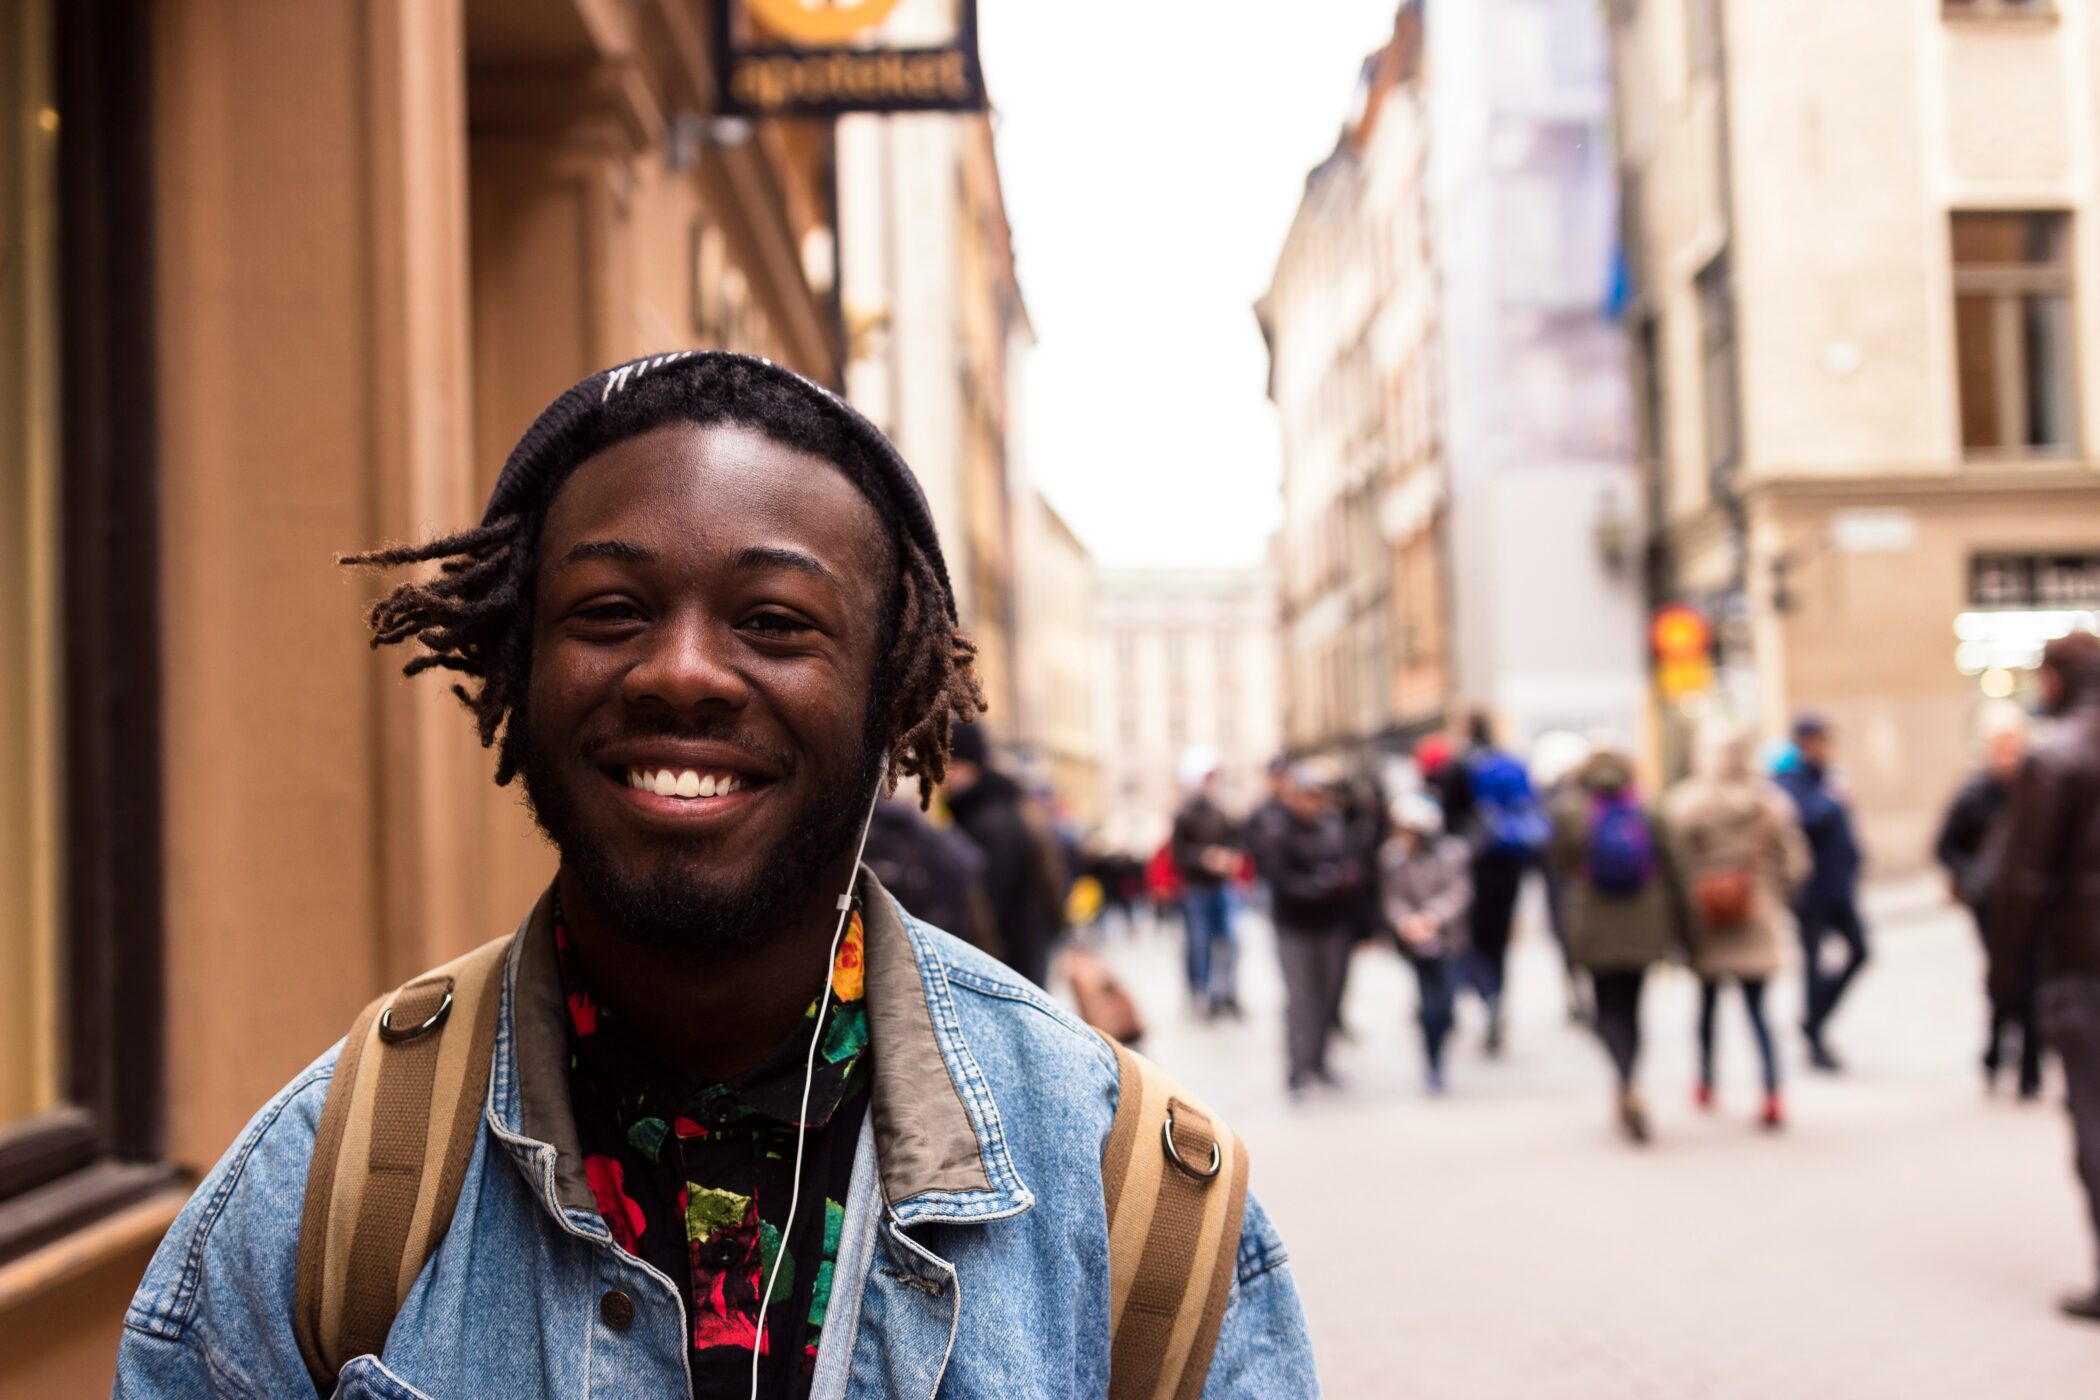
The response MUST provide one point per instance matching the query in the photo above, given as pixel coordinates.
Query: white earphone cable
(809, 1074)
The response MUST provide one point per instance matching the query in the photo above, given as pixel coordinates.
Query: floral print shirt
(694, 1179)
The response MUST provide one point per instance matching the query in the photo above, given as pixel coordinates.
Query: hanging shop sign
(1683, 644)
(2037, 582)
(809, 58)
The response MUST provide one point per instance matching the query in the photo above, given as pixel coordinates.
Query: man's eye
(609, 612)
(777, 624)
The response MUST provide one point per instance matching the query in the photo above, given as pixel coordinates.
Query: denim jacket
(974, 1258)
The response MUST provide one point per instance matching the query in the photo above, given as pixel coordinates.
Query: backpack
(404, 1111)
(1621, 859)
(1511, 821)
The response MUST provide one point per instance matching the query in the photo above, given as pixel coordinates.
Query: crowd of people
(1719, 872)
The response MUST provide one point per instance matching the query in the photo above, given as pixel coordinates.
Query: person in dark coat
(1968, 850)
(2046, 903)
(1022, 877)
(936, 873)
(1303, 852)
(1827, 905)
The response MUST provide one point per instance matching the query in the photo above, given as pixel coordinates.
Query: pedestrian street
(1902, 1237)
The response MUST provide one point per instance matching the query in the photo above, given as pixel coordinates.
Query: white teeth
(685, 782)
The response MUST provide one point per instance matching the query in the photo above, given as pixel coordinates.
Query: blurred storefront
(1861, 242)
(283, 280)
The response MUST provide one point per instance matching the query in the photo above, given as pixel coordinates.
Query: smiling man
(719, 1119)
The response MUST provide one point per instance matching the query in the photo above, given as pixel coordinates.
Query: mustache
(764, 756)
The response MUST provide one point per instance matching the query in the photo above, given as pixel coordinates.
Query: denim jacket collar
(939, 1143)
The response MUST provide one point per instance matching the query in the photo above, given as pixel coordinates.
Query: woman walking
(1625, 907)
(1740, 847)
(1426, 892)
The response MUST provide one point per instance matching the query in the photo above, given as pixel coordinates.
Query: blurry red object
(1433, 755)
(1162, 880)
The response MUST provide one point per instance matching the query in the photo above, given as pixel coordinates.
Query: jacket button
(725, 1255)
(617, 1309)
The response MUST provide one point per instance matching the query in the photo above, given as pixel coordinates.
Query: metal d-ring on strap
(394, 1036)
(1166, 1133)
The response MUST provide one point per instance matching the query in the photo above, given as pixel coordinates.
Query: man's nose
(690, 664)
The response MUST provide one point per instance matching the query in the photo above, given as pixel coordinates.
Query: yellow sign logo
(805, 22)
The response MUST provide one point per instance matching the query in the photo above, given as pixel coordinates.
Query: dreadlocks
(474, 615)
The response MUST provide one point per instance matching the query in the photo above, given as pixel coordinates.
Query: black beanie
(551, 447)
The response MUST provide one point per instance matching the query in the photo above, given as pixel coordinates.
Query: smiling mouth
(691, 784)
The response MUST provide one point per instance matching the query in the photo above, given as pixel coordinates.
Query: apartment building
(1861, 241)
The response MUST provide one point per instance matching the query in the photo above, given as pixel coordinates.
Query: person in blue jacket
(1828, 904)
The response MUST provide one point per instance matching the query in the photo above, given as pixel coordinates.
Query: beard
(679, 899)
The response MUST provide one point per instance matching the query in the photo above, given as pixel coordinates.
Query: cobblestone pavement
(1904, 1237)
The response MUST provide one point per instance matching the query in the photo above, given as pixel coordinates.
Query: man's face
(1815, 747)
(2050, 682)
(708, 608)
(1305, 801)
(2004, 750)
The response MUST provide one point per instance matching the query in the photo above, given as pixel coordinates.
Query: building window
(1724, 422)
(80, 874)
(2012, 332)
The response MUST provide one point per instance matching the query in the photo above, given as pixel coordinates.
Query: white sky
(1153, 153)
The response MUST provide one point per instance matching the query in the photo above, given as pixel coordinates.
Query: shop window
(29, 713)
(80, 880)
(2013, 332)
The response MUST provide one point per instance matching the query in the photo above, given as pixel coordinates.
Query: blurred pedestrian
(1970, 849)
(1425, 892)
(1555, 759)
(1023, 874)
(1508, 830)
(1625, 907)
(936, 873)
(1828, 903)
(1206, 852)
(1741, 853)
(1303, 852)
(2047, 897)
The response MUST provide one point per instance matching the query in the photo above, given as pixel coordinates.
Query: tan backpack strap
(399, 1125)
(1175, 1180)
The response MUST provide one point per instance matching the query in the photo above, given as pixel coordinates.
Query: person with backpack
(720, 1118)
(1508, 828)
(1425, 892)
(1741, 852)
(1625, 907)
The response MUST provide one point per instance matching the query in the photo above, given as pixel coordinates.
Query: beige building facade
(1060, 618)
(322, 263)
(1351, 322)
(1862, 242)
(937, 329)
(1185, 660)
